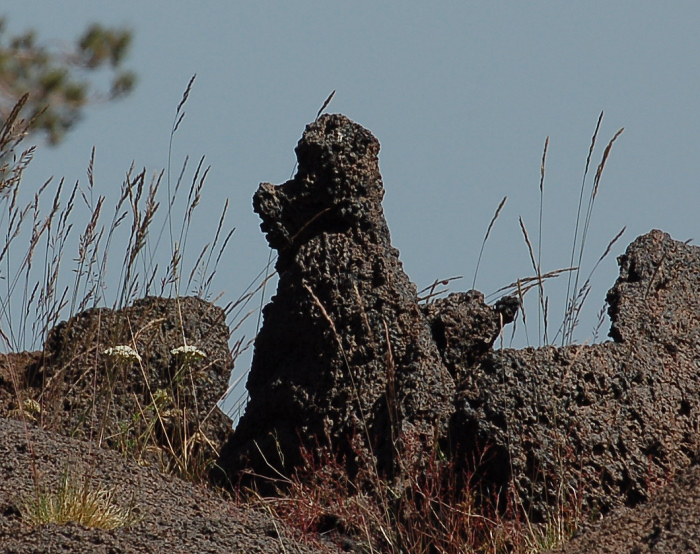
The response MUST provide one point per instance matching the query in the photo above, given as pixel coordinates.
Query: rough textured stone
(464, 327)
(15, 367)
(344, 350)
(84, 393)
(668, 523)
(600, 423)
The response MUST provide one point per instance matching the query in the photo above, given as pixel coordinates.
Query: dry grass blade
(601, 166)
(206, 277)
(77, 499)
(194, 196)
(599, 323)
(530, 250)
(594, 193)
(88, 246)
(543, 165)
(141, 221)
(522, 311)
(179, 113)
(594, 139)
(325, 104)
(587, 219)
(172, 197)
(576, 303)
(530, 282)
(432, 289)
(209, 276)
(196, 266)
(540, 282)
(486, 237)
(608, 248)
(8, 132)
(575, 242)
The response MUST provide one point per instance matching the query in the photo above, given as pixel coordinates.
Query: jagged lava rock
(668, 523)
(87, 394)
(344, 351)
(464, 327)
(606, 423)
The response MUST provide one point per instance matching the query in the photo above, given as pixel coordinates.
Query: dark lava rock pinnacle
(345, 353)
(348, 358)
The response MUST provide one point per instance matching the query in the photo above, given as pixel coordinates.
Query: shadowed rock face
(604, 423)
(669, 522)
(345, 350)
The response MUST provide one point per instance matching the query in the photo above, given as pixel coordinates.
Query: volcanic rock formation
(346, 354)
(600, 424)
(75, 388)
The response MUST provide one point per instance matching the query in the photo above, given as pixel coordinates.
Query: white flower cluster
(124, 352)
(189, 353)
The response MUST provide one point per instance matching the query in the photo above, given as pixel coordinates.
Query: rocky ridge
(350, 359)
(346, 348)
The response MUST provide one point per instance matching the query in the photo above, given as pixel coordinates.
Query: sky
(461, 96)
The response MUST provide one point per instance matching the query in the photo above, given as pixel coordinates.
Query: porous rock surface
(603, 424)
(173, 516)
(346, 350)
(82, 392)
(668, 523)
(464, 327)
(345, 353)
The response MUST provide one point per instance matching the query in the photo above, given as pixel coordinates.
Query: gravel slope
(177, 517)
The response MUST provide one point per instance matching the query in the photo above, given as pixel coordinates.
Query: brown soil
(177, 517)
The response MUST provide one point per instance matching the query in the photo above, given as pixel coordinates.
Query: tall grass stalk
(486, 237)
(40, 287)
(542, 319)
(574, 295)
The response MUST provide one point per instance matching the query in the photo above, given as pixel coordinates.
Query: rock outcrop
(161, 409)
(344, 353)
(600, 424)
(347, 353)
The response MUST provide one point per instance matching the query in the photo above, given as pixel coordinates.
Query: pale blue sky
(461, 96)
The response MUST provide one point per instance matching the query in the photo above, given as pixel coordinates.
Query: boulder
(161, 407)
